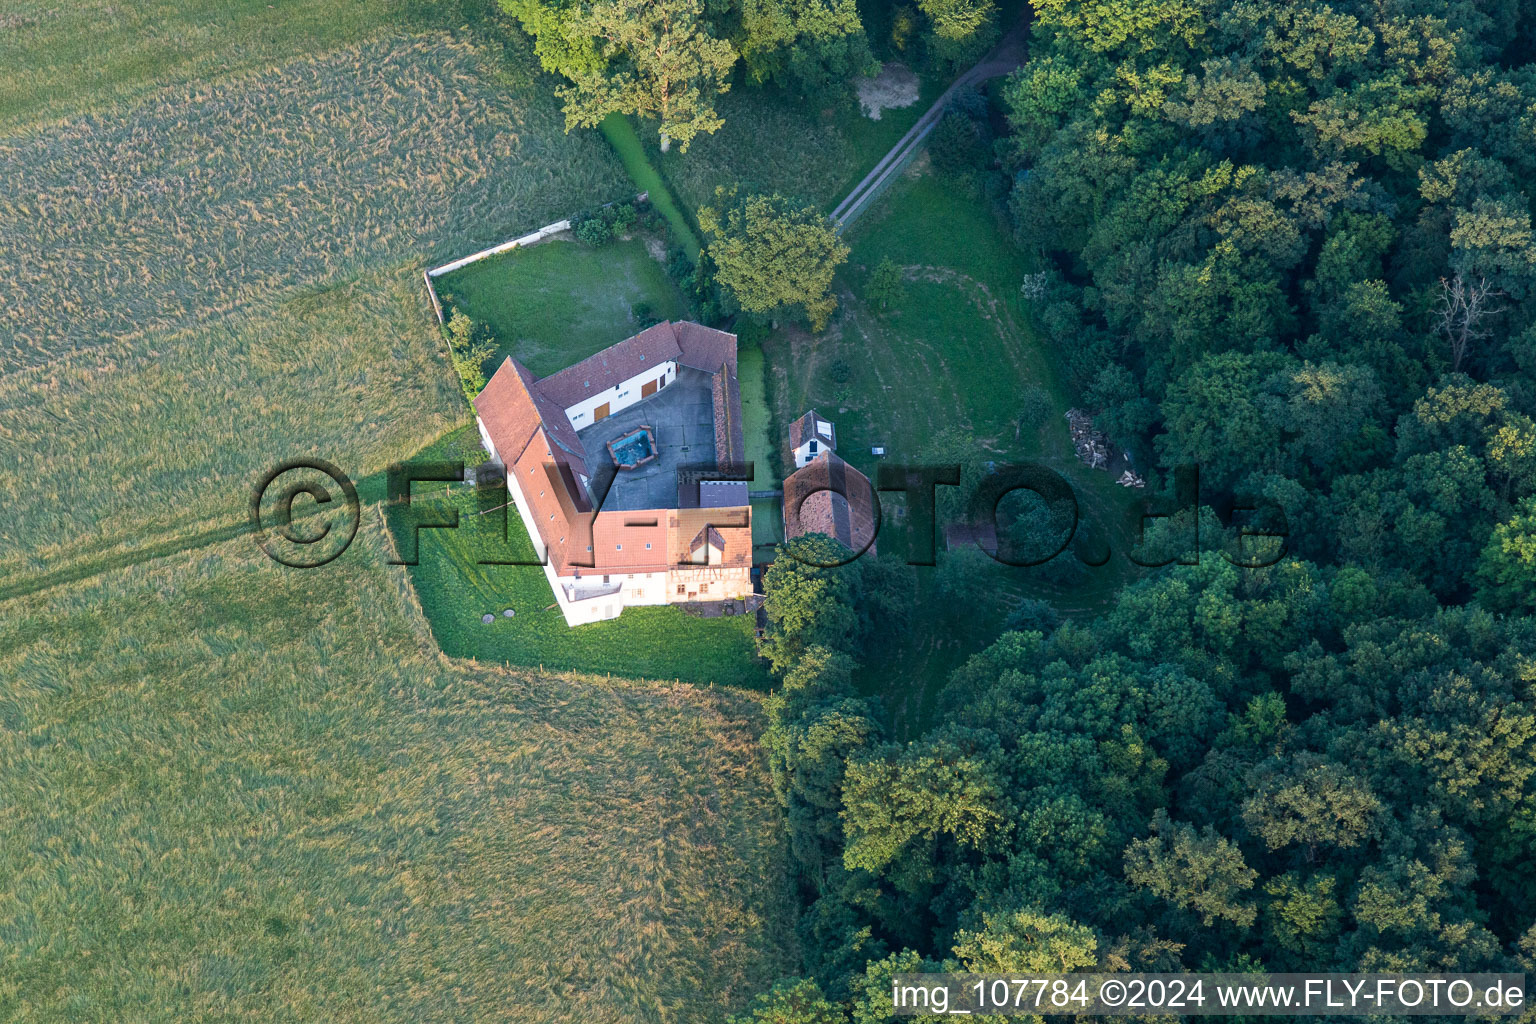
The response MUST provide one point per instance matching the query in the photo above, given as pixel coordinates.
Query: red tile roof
(730, 443)
(705, 348)
(831, 497)
(613, 365)
(512, 407)
(527, 424)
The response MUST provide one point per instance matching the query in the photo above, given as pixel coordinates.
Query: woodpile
(1130, 479)
(1093, 447)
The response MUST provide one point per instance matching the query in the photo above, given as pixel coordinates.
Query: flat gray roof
(682, 421)
(723, 493)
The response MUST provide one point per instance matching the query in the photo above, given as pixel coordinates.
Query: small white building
(810, 436)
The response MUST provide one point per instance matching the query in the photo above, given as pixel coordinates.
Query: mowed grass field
(233, 791)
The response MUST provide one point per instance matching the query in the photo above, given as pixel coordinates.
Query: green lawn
(558, 302)
(660, 643)
(757, 419)
(953, 352)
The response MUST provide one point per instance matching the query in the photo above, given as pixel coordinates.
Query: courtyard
(681, 418)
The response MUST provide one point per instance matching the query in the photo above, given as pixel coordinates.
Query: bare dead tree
(1462, 314)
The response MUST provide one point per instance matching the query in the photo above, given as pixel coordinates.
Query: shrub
(643, 314)
(884, 284)
(469, 348)
(594, 230)
(621, 216)
(957, 143)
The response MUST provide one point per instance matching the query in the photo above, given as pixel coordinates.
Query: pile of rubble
(1092, 445)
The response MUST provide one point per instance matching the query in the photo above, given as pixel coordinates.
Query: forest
(1288, 243)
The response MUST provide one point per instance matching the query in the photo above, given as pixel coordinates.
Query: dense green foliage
(673, 60)
(1293, 247)
(770, 255)
(1288, 243)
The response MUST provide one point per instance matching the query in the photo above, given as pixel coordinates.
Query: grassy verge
(560, 301)
(456, 591)
(234, 791)
(757, 418)
(621, 135)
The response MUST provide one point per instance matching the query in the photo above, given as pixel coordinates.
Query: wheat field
(203, 201)
(234, 791)
(221, 276)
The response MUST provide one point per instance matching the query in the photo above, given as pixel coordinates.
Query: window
(647, 545)
(605, 579)
(681, 588)
(703, 588)
(813, 446)
(618, 547)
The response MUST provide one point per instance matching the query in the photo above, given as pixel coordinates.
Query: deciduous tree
(772, 254)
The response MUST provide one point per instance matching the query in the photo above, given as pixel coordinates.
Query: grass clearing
(558, 302)
(954, 351)
(456, 591)
(757, 423)
(621, 135)
(772, 142)
(235, 791)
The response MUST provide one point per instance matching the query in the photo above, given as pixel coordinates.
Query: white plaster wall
(804, 455)
(580, 414)
(485, 440)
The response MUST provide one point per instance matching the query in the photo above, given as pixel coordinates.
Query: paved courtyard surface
(682, 421)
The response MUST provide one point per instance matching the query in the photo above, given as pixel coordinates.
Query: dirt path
(1007, 55)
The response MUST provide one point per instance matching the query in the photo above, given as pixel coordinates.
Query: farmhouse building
(615, 466)
(825, 494)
